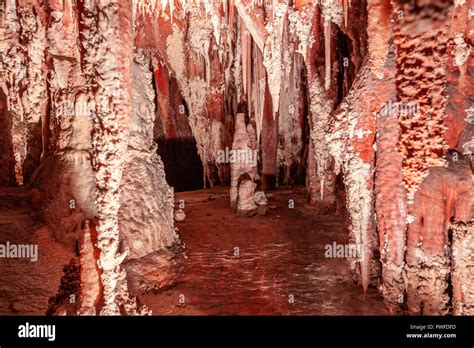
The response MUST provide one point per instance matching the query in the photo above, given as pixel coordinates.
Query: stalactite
(459, 120)
(148, 6)
(355, 155)
(194, 86)
(253, 23)
(249, 72)
(346, 9)
(274, 51)
(443, 201)
(213, 12)
(320, 109)
(327, 54)
(332, 12)
(157, 231)
(321, 104)
(290, 118)
(244, 38)
(258, 95)
(34, 99)
(301, 26)
(379, 32)
(236, 70)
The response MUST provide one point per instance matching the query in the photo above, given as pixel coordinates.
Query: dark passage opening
(345, 72)
(183, 166)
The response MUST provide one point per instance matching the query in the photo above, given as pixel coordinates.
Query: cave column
(109, 51)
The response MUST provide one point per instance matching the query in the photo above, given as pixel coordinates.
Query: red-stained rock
(87, 90)
(443, 204)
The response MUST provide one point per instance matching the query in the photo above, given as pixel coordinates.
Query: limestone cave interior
(236, 157)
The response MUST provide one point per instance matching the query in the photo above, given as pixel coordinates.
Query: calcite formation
(243, 169)
(366, 103)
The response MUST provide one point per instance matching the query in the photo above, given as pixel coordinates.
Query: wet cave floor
(261, 265)
(26, 285)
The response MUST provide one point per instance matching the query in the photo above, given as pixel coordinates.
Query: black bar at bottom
(163, 331)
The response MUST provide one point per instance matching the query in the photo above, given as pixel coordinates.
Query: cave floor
(25, 286)
(281, 258)
(280, 268)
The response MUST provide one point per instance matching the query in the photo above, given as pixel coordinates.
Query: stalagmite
(246, 203)
(90, 277)
(243, 167)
